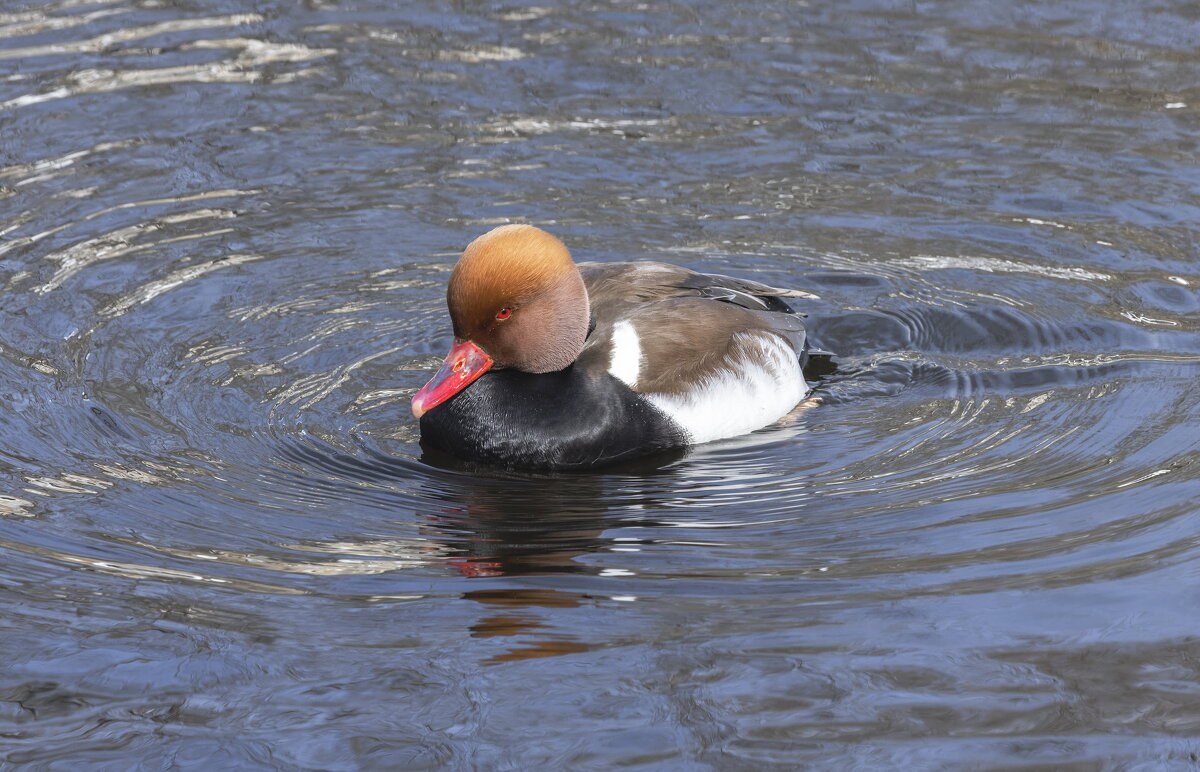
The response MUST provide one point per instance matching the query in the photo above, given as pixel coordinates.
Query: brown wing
(614, 286)
(689, 324)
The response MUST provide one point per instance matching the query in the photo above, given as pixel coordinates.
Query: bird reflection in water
(502, 527)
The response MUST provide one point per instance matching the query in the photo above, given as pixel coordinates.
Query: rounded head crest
(516, 293)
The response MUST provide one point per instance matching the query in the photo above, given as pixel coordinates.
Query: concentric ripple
(224, 241)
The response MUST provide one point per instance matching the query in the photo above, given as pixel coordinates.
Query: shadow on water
(486, 524)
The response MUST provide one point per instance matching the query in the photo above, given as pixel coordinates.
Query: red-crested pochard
(561, 365)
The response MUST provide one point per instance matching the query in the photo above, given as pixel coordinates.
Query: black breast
(563, 420)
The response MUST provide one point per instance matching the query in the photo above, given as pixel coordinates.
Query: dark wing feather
(743, 292)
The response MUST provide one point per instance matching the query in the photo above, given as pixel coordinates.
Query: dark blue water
(225, 233)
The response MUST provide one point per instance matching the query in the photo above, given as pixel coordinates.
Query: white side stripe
(756, 388)
(626, 362)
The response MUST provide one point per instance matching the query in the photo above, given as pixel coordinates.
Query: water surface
(224, 240)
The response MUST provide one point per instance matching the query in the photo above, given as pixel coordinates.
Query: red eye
(503, 313)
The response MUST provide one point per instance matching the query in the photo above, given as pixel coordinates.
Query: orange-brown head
(516, 300)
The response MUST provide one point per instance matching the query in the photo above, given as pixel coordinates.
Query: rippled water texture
(225, 230)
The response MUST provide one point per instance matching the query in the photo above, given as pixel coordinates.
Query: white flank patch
(626, 362)
(760, 387)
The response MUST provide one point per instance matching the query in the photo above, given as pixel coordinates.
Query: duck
(560, 365)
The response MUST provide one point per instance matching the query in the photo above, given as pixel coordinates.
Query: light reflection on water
(224, 241)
